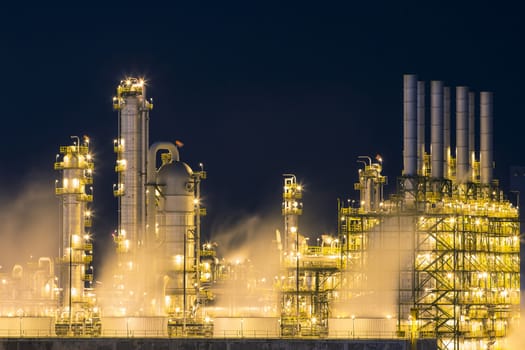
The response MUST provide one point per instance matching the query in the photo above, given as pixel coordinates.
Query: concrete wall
(209, 344)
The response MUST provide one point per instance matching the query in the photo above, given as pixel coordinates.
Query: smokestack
(446, 132)
(472, 134)
(436, 116)
(410, 115)
(462, 141)
(421, 127)
(486, 141)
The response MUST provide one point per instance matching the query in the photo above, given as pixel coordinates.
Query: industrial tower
(307, 277)
(131, 147)
(158, 238)
(77, 314)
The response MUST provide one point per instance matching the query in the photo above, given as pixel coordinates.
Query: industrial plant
(439, 259)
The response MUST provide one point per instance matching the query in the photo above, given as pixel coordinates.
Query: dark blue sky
(253, 89)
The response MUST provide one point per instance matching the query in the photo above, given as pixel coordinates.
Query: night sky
(252, 89)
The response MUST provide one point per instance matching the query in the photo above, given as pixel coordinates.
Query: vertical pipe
(446, 132)
(486, 140)
(410, 137)
(437, 128)
(421, 127)
(472, 134)
(462, 158)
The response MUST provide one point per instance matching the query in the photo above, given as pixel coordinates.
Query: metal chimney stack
(472, 133)
(421, 128)
(410, 120)
(437, 128)
(486, 140)
(446, 132)
(462, 156)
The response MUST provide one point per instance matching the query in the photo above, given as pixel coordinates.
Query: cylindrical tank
(176, 234)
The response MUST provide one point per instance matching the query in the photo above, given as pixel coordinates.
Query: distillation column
(76, 244)
(291, 210)
(178, 237)
(131, 148)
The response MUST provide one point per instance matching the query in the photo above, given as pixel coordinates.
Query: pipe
(462, 158)
(410, 137)
(486, 137)
(421, 127)
(472, 134)
(436, 148)
(446, 133)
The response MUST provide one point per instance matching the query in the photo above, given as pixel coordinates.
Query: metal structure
(76, 313)
(177, 232)
(451, 244)
(159, 222)
(307, 273)
(438, 259)
(131, 148)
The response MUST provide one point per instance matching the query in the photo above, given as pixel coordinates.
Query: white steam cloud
(29, 224)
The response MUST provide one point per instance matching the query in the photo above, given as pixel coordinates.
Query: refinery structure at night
(439, 259)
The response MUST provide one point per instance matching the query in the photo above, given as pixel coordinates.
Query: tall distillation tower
(76, 302)
(175, 200)
(158, 236)
(131, 148)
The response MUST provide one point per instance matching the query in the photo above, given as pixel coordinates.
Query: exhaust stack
(486, 141)
(472, 133)
(462, 141)
(410, 120)
(421, 128)
(436, 150)
(446, 132)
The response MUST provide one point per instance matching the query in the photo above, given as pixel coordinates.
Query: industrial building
(439, 259)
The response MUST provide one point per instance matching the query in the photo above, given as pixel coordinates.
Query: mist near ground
(248, 249)
(29, 222)
(376, 293)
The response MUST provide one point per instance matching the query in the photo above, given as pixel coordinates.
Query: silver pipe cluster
(414, 108)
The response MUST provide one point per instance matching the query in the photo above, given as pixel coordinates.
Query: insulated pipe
(486, 141)
(472, 133)
(410, 120)
(446, 132)
(421, 127)
(436, 117)
(462, 158)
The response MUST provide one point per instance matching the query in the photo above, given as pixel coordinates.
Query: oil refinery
(439, 259)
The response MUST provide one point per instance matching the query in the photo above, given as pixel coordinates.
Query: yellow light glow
(75, 239)
(75, 183)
